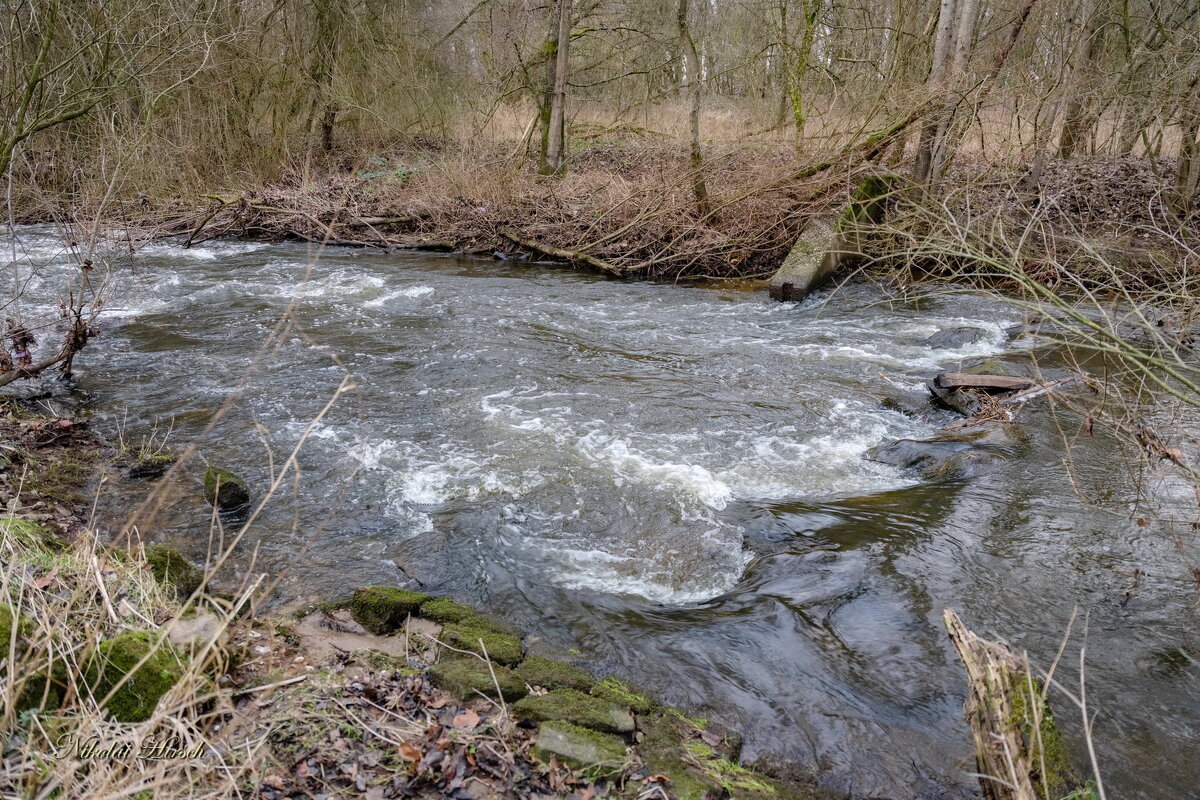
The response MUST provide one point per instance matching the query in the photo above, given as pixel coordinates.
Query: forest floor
(125, 674)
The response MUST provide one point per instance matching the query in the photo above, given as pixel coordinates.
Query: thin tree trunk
(323, 114)
(923, 168)
(1078, 119)
(555, 154)
(1187, 181)
(963, 39)
(689, 84)
(547, 99)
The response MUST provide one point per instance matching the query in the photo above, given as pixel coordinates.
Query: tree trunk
(1078, 118)
(689, 84)
(555, 150)
(1187, 181)
(547, 99)
(923, 168)
(323, 114)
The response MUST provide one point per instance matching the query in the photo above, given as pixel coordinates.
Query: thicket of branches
(206, 93)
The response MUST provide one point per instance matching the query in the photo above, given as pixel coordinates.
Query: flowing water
(668, 480)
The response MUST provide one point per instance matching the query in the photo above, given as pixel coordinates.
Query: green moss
(23, 531)
(868, 202)
(444, 610)
(149, 465)
(466, 677)
(621, 693)
(171, 569)
(551, 674)
(225, 490)
(11, 622)
(731, 776)
(577, 708)
(503, 648)
(64, 476)
(118, 657)
(579, 747)
(1028, 709)
(383, 609)
(662, 749)
(447, 611)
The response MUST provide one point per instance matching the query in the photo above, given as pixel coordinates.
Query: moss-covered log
(1017, 747)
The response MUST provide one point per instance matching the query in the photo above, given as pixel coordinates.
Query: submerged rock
(225, 490)
(577, 708)
(578, 747)
(383, 609)
(954, 454)
(120, 656)
(954, 338)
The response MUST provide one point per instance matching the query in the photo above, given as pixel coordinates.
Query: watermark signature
(94, 748)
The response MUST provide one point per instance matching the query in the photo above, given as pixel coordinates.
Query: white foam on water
(627, 463)
(410, 292)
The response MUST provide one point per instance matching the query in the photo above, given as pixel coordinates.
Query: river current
(668, 481)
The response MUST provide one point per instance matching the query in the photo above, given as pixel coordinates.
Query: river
(668, 480)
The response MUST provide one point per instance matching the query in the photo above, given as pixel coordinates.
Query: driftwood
(1017, 748)
(513, 235)
(962, 380)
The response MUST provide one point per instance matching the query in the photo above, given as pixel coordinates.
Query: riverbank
(161, 684)
(627, 207)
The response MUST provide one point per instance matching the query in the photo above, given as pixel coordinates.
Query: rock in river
(955, 453)
(954, 338)
(225, 490)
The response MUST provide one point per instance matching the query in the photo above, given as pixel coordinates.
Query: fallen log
(1018, 752)
(514, 236)
(963, 380)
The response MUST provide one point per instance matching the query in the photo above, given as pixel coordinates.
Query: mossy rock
(171, 569)
(24, 531)
(618, 692)
(571, 705)
(663, 752)
(446, 610)
(383, 609)
(44, 691)
(503, 648)
(115, 658)
(151, 465)
(13, 623)
(578, 747)
(467, 677)
(225, 490)
(551, 674)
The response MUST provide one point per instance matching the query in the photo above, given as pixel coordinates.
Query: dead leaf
(466, 720)
(711, 739)
(410, 753)
(45, 580)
